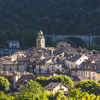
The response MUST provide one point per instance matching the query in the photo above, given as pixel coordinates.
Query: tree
(91, 86)
(4, 84)
(60, 96)
(30, 96)
(76, 94)
(42, 80)
(99, 81)
(32, 87)
(2, 95)
(64, 79)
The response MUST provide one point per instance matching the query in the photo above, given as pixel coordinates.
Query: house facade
(90, 72)
(13, 44)
(73, 60)
(55, 86)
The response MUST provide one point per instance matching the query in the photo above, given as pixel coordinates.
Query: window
(86, 73)
(38, 41)
(34, 61)
(89, 77)
(10, 69)
(4, 68)
(53, 69)
(17, 69)
(58, 65)
(93, 73)
(93, 77)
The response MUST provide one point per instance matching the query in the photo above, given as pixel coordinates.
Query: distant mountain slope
(21, 19)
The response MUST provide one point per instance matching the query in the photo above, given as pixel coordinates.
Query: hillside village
(79, 64)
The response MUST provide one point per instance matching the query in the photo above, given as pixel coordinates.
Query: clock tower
(40, 41)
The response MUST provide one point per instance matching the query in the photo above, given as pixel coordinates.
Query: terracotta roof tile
(20, 81)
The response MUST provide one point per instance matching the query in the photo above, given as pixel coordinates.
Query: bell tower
(40, 41)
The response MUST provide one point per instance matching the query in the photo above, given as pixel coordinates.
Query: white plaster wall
(14, 67)
(14, 44)
(58, 87)
(44, 68)
(16, 78)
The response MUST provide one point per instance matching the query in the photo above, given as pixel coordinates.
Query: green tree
(32, 87)
(2, 95)
(60, 96)
(4, 84)
(30, 96)
(42, 80)
(75, 92)
(91, 86)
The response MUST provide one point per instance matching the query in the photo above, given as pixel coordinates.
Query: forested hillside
(22, 19)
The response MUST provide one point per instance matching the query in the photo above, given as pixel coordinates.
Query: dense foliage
(75, 94)
(22, 19)
(91, 86)
(32, 87)
(42, 80)
(60, 78)
(4, 84)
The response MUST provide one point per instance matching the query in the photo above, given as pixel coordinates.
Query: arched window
(38, 41)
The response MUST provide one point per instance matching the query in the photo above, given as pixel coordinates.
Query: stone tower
(40, 41)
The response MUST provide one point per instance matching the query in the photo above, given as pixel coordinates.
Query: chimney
(7, 72)
(71, 57)
(24, 73)
(17, 73)
(51, 52)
